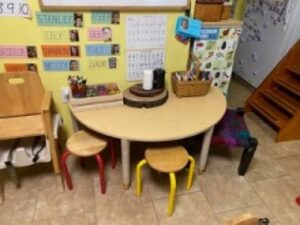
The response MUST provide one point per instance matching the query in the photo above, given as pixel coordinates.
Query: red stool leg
(65, 169)
(100, 163)
(298, 200)
(112, 153)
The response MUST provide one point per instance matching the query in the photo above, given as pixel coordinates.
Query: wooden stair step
(289, 83)
(295, 69)
(283, 100)
(270, 112)
(277, 99)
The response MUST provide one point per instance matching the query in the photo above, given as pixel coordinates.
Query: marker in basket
(206, 75)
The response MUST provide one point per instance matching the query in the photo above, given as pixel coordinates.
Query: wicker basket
(208, 10)
(226, 12)
(189, 88)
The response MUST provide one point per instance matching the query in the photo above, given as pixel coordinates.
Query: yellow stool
(166, 160)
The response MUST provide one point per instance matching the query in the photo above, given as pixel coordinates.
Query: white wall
(269, 51)
(294, 26)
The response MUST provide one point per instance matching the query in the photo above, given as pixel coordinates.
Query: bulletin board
(100, 58)
(114, 4)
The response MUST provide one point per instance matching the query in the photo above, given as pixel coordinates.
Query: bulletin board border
(73, 7)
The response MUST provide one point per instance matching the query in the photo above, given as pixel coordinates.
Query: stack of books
(98, 96)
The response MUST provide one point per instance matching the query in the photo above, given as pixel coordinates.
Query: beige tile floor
(267, 190)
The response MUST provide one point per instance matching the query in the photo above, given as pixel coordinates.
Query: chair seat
(167, 159)
(231, 131)
(83, 143)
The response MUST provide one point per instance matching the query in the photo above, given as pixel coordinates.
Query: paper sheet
(100, 34)
(17, 51)
(20, 67)
(102, 49)
(16, 8)
(61, 65)
(138, 61)
(146, 32)
(60, 36)
(61, 50)
(145, 44)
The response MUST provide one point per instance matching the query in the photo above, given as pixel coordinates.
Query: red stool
(85, 144)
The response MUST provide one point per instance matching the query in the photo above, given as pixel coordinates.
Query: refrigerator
(270, 29)
(214, 52)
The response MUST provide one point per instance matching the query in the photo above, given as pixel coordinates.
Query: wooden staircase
(277, 99)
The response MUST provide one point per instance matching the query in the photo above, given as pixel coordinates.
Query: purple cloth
(231, 131)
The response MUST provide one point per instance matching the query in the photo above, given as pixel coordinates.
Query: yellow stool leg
(139, 176)
(172, 193)
(191, 173)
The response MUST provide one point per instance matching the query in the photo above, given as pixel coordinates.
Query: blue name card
(61, 65)
(98, 50)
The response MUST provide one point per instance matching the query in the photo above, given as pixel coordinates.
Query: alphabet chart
(146, 32)
(137, 61)
(145, 44)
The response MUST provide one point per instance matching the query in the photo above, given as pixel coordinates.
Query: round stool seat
(167, 159)
(83, 143)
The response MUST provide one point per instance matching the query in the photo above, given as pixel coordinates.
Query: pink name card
(13, 51)
(100, 34)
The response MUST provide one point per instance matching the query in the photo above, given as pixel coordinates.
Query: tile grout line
(95, 199)
(152, 203)
(208, 203)
(37, 200)
(251, 186)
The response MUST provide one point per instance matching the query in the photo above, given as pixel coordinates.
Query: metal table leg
(205, 149)
(125, 150)
(1, 192)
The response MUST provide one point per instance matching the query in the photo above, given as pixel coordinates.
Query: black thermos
(159, 78)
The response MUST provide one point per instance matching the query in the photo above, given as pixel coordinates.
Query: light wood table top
(177, 118)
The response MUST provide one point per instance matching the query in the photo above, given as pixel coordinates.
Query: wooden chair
(166, 160)
(25, 110)
(85, 144)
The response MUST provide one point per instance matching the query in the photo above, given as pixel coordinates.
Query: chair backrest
(20, 94)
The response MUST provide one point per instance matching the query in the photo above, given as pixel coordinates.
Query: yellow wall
(22, 31)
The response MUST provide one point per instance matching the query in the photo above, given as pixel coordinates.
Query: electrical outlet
(65, 94)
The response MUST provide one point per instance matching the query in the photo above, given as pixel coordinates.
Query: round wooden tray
(138, 90)
(133, 100)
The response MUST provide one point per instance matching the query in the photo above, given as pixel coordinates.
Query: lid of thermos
(159, 71)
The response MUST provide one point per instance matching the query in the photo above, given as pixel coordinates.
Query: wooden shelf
(270, 112)
(224, 23)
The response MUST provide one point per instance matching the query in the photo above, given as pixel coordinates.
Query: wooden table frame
(212, 106)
